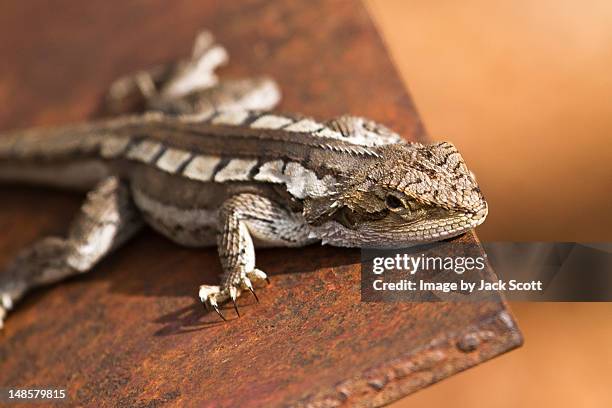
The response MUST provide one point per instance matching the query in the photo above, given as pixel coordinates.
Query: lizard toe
(208, 296)
(257, 276)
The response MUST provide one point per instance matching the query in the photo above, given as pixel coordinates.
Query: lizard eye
(394, 203)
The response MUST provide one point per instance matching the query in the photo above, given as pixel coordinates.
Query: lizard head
(412, 194)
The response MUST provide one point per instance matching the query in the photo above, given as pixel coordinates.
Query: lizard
(208, 162)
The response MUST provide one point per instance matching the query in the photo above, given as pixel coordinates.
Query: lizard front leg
(243, 219)
(106, 220)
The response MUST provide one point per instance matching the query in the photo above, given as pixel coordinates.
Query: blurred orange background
(524, 90)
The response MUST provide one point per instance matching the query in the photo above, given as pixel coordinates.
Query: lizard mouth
(447, 227)
(431, 227)
(393, 232)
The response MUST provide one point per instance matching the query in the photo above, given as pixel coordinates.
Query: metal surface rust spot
(469, 342)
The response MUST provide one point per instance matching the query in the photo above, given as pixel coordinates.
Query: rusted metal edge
(443, 357)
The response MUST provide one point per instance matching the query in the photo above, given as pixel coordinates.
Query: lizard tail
(66, 156)
(50, 143)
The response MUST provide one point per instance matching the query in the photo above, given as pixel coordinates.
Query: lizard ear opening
(319, 209)
(346, 217)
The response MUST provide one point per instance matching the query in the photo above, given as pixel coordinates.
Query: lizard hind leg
(195, 89)
(142, 90)
(106, 220)
(198, 72)
(191, 87)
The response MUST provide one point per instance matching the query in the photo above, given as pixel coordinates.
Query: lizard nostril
(482, 213)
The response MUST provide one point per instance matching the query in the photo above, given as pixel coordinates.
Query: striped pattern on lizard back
(228, 146)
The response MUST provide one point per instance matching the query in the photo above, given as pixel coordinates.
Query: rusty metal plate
(132, 332)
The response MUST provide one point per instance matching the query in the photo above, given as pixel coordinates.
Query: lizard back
(229, 146)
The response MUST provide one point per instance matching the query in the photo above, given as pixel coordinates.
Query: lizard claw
(254, 294)
(233, 292)
(247, 283)
(213, 295)
(219, 313)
